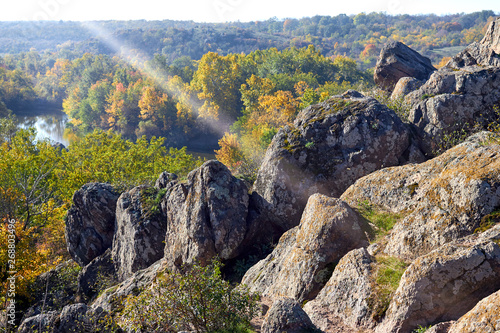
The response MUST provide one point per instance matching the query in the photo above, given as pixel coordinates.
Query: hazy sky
(224, 10)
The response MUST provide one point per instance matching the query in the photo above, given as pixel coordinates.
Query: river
(49, 125)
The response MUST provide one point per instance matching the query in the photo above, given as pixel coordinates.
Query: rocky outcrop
(99, 273)
(484, 317)
(328, 147)
(474, 54)
(454, 101)
(461, 95)
(397, 60)
(405, 86)
(346, 295)
(286, 315)
(492, 36)
(90, 223)
(140, 231)
(39, 323)
(443, 285)
(441, 200)
(485, 53)
(111, 299)
(303, 260)
(206, 216)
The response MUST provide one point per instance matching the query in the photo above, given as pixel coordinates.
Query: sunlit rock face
(329, 146)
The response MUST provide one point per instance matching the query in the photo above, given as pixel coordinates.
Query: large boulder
(206, 216)
(397, 60)
(140, 231)
(484, 317)
(405, 86)
(452, 102)
(444, 284)
(304, 258)
(345, 298)
(329, 146)
(440, 200)
(90, 223)
(286, 316)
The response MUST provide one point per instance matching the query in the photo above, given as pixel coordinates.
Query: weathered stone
(346, 295)
(40, 323)
(484, 317)
(484, 53)
(443, 285)
(405, 86)
(397, 60)
(140, 232)
(164, 179)
(73, 318)
(474, 54)
(440, 200)
(110, 300)
(98, 274)
(90, 222)
(328, 147)
(454, 101)
(492, 36)
(206, 216)
(286, 316)
(304, 258)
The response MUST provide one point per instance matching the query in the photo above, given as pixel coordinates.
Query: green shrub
(197, 300)
(421, 329)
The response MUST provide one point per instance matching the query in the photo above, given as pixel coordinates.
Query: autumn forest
(141, 94)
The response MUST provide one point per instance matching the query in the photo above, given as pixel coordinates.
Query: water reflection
(49, 125)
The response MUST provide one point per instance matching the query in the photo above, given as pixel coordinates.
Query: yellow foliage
(443, 62)
(230, 153)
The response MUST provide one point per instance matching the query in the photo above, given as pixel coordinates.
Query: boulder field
(323, 195)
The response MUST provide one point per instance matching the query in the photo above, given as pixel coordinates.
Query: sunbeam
(139, 59)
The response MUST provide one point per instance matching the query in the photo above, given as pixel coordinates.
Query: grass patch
(381, 221)
(488, 222)
(398, 105)
(387, 274)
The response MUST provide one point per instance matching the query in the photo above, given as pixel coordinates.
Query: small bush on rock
(197, 300)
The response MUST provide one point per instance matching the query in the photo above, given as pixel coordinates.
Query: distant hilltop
(360, 37)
